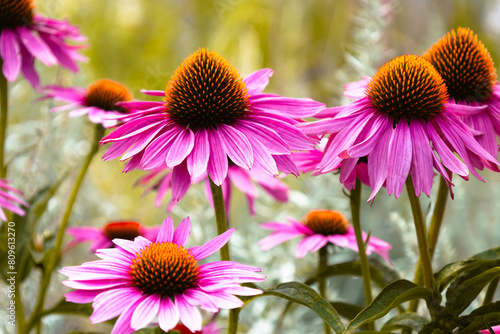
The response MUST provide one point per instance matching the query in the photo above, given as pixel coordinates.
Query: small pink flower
(25, 36)
(211, 117)
(10, 199)
(403, 126)
(470, 76)
(139, 280)
(241, 178)
(97, 101)
(319, 228)
(103, 237)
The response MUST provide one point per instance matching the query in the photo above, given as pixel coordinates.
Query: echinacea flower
(10, 199)
(98, 100)
(210, 328)
(404, 127)
(470, 77)
(210, 116)
(241, 178)
(25, 36)
(139, 280)
(319, 228)
(103, 237)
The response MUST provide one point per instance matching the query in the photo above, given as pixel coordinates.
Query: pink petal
(168, 315)
(111, 303)
(190, 316)
(258, 80)
(153, 92)
(212, 246)
(268, 137)
(60, 50)
(378, 161)
(217, 163)
(180, 181)
(262, 158)
(399, 161)
(181, 234)
(314, 241)
(241, 179)
(197, 161)
(287, 106)
(36, 46)
(145, 312)
(166, 233)
(277, 238)
(286, 164)
(28, 67)
(122, 324)
(10, 53)
(181, 147)
(421, 170)
(237, 146)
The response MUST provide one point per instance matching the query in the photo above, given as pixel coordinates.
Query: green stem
(322, 265)
(4, 105)
(220, 219)
(355, 199)
(490, 293)
(419, 222)
(433, 234)
(55, 252)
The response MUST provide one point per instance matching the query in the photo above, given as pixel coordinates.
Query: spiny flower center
(104, 93)
(205, 91)
(122, 230)
(465, 65)
(327, 222)
(15, 13)
(165, 269)
(407, 87)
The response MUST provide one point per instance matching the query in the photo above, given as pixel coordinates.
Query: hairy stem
(4, 105)
(356, 223)
(423, 248)
(55, 252)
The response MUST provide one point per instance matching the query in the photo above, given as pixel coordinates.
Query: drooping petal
(190, 316)
(181, 147)
(197, 161)
(145, 312)
(36, 46)
(399, 160)
(237, 146)
(217, 163)
(168, 315)
(10, 53)
(421, 167)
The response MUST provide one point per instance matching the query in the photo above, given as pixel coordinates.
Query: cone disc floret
(104, 93)
(327, 222)
(16, 13)
(407, 87)
(205, 91)
(166, 269)
(465, 65)
(122, 230)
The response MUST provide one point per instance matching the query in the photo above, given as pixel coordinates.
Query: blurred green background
(314, 48)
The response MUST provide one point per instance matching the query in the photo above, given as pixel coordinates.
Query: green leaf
(64, 307)
(490, 254)
(348, 311)
(411, 321)
(391, 296)
(468, 285)
(476, 319)
(348, 268)
(302, 294)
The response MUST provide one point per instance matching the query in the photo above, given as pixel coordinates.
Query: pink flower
(210, 117)
(25, 36)
(10, 199)
(139, 280)
(470, 76)
(103, 237)
(319, 228)
(241, 178)
(98, 100)
(404, 109)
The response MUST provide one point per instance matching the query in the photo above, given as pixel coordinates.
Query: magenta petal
(262, 158)
(82, 296)
(111, 303)
(258, 80)
(166, 233)
(28, 67)
(181, 234)
(286, 164)
(399, 161)
(145, 312)
(36, 46)
(421, 167)
(180, 181)
(122, 324)
(241, 180)
(286, 106)
(211, 246)
(197, 161)
(60, 50)
(181, 147)
(190, 315)
(153, 92)
(238, 147)
(267, 136)
(168, 315)
(308, 243)
(378, 162)
(10, 53)
(217, 163)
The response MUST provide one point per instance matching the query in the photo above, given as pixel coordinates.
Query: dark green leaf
(348, 268)
(64, 307)
(468, 285)
(391, 296)
(348, 311)
(410, 321)
(482, 322)
(476, 319)
(302, 294)
(490, 254)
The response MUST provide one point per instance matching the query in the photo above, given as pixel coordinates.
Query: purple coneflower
(25, 36)
(403, 111)
(319, 228)
(241, 178)
(470, 77)
(208, 118)
(103, 237)
(139, 280)
(10, 199)
(98, 100)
